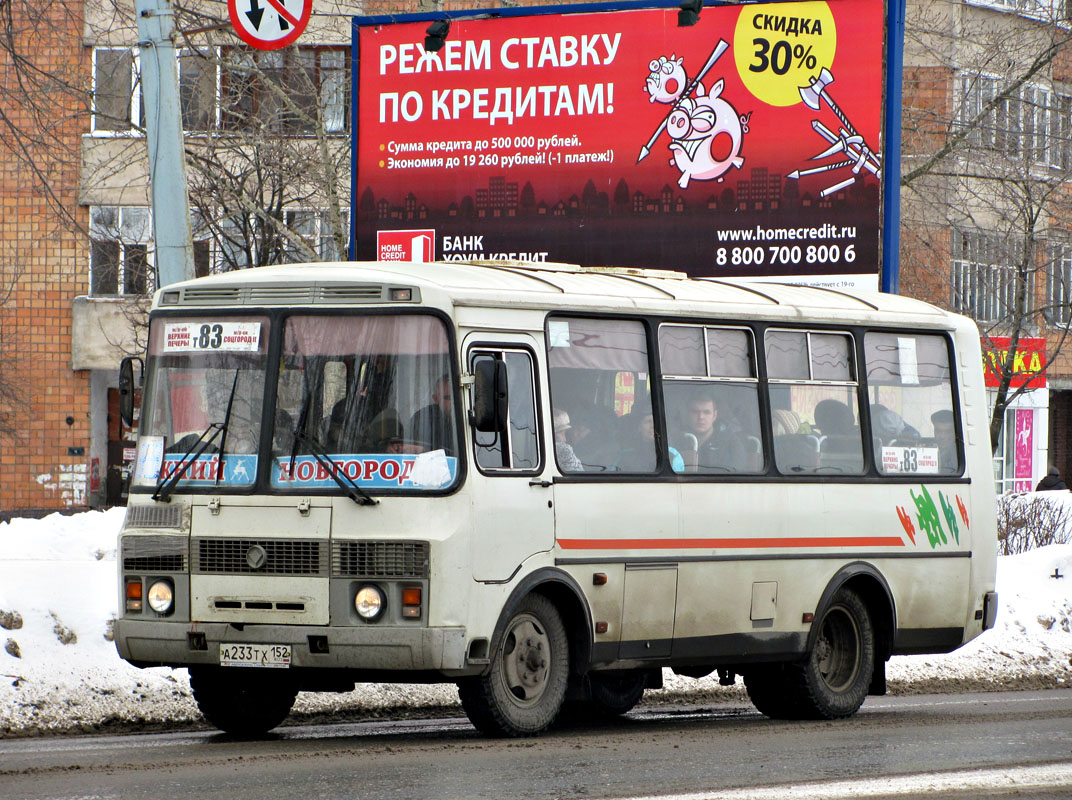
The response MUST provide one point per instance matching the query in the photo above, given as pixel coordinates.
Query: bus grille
(154, 553)
(155, 516)
(380, 559)
(245, 556)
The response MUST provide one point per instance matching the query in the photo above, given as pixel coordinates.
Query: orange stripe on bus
(738, 544)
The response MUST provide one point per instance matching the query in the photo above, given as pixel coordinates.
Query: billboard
(745, 145)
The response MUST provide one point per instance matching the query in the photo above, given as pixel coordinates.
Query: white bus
(547, 484)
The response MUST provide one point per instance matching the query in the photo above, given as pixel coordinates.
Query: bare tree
(986, 208)
(267, 141)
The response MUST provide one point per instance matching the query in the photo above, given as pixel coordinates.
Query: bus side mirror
(126, 388)
(489, 396)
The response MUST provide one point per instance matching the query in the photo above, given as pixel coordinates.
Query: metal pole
(891, 185)
(163, 134)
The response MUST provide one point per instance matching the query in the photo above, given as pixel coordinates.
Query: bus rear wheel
(523, 691)
(614, 695)
(243, 702)
(833, 681)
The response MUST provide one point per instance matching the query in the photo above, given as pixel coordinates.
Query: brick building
(75, 236)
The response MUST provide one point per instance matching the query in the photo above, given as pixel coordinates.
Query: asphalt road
(1016, 744)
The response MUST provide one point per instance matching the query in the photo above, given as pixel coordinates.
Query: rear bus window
(910, 395)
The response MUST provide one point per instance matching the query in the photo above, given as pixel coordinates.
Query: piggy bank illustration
(705, 133)
(667, 80)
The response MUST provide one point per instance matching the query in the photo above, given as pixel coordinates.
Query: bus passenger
(946, 436)
(567, 459)
(713, 444)
(639, 453)
(431, 426)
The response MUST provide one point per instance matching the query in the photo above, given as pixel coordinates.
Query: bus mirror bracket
(489, 396)
(127, 387)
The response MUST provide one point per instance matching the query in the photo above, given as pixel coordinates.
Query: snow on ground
(59, 671)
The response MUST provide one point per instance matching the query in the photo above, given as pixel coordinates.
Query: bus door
(616, 502)
(511, 502)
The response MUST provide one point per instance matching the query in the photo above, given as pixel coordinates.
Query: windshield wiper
(226, 422)
(165, 486)
(324, 459)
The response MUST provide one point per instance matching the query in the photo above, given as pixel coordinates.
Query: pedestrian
(1052, 482)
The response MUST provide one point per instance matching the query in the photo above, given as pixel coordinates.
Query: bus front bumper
(175, 644)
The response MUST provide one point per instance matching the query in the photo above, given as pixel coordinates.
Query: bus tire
(242, 702)
(615, 695)
(523, 691)
(832, 682)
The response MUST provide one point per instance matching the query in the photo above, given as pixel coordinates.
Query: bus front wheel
(242, 702)
(523, 691)
(832, 682)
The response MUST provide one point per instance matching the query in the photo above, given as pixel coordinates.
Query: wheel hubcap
(837, 650)
(526, 655)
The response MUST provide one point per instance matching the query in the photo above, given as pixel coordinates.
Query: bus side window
(600, 394)
(516, 448)
(815, 415)
(910, 387)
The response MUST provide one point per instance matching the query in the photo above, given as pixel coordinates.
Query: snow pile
(59, 669)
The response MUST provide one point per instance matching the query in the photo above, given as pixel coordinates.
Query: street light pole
(163, 133)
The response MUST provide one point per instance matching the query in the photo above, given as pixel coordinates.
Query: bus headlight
(370, 602)
(161, 597)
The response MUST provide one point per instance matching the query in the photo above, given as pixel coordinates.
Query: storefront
(1022, 456)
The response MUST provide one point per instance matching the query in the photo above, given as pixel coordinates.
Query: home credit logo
(405, 245)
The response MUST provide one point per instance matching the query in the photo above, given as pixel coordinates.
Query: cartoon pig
(706, 137)
(667, 80)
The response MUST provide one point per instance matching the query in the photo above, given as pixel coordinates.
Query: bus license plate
(255, 655)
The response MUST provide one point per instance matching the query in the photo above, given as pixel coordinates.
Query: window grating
(153, 553)
(146, 516)
(380, 559)
(281, 556)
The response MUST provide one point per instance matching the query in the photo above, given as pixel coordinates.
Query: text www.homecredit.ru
(817, 245)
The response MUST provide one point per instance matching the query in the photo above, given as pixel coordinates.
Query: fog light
(161, 597)
(369, 602)
(133, 594)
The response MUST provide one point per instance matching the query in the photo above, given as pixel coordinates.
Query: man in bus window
(946, 436)
(709, 442)
(431, 426)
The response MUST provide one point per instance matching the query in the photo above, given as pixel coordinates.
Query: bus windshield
(368, 398)
(204, 392)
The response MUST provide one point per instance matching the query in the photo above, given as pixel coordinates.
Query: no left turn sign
(269, 24)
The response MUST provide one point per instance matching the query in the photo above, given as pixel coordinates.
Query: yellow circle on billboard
(781, 48)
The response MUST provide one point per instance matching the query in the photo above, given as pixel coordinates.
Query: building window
(1059, 284)
(120, 261)
(1031, 124)
(116, 90)
(284, 89)
(985, 275)
(1049, 10)
(198, 79)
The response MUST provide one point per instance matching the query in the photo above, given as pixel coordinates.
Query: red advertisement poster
(1027, 362)
(746, 145)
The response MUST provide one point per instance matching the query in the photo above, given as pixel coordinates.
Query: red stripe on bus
(703, 544)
